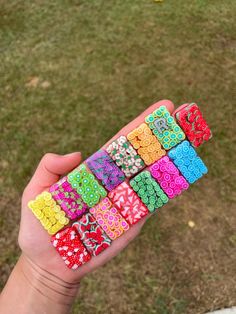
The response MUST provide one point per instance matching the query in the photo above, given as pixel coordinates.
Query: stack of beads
(168, 176)
(70, 248)
(125, 156)
(109, 219)
(128, 201)
(165, 128)
(69, 200)
(86, 185)
(105, 169)
(188, 162)
(146, 144)
(193, 124)
(149, 191)
(91, 234)
(48, 212)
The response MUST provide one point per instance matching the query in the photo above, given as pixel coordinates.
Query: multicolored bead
(91, 234)
(108, 217)
(105, 169)
(193, 124)
(70, 248)
(125, 156)
(165, 128)
(69, 200)
(149, 191)
(86, 185)
(168, 176)
(128, 203)
(48, 212)
(146, 144)
(188, 162)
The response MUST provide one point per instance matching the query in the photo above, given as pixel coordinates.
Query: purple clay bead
(105, 169)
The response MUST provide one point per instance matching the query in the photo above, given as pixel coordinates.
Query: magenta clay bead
(169, 177)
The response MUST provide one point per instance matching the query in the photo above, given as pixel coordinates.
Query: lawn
(72, 74)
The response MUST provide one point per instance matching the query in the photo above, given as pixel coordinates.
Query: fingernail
(67, 155)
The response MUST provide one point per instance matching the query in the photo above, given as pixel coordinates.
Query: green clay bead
(141, 192)
(151, 208)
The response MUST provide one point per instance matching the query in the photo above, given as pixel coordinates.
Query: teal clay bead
(165, 128)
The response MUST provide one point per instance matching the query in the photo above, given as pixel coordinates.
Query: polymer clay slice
(164, 127)
(70, 248)
(187, 161)
(149, 190)
(146, 144)
(108, 217)
(193, 124)
(68, 198)
(86, 185)
(48, 212)
(128, 203)
(168, 176)
(125, 156)
(105, 169)
(92, 235)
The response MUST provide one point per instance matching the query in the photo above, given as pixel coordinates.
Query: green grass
(103, 63)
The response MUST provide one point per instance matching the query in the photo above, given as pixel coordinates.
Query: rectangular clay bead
(188, 162)
(46, 210)
(105, 169)
(70, 248)
(68, 198)
(146, 144)
(164, 127)
(193, 124)
(125, 156)
(86, 185)
(128, 203)
(91, 234)
(149, 190)
(108, 217)
(168, 176)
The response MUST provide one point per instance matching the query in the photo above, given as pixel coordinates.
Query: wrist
(31, 289)
(47, 284)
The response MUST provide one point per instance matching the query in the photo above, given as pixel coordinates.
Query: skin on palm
(34, 240)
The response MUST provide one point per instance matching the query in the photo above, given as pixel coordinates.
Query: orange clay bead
(146, 143)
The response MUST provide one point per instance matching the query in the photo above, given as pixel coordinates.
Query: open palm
(35, 241)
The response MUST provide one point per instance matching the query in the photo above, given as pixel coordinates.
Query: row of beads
(164, 171)
(74, 200)
(147, 191)
(110, 218)
(79, 190)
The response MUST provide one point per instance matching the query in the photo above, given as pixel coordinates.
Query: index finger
(140, 119)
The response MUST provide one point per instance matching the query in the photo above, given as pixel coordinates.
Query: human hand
(34, 240)
(40, 281)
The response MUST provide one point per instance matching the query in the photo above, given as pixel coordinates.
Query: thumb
(51, 167)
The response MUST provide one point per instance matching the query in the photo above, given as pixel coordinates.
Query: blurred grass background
(72, 74)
